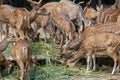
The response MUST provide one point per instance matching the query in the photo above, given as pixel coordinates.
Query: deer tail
(25, 52)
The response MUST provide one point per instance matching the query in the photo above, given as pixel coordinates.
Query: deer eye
(13, 36)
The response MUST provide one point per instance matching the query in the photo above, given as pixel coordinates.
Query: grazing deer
(68, 48)
(112, 27)
(92, 45)
(22, 53)
(3, 45)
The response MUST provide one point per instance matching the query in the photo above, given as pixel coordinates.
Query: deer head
(11, 38)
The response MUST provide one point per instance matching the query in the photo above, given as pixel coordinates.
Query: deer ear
(99, 8)
(35, 58)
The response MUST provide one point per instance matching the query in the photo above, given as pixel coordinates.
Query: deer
(101, 15)
(56, 35)
(68, 48)
(3, 45)
(92, 45)
(21, 19)
(91, 15)
(46, 22)
(105, 13)
(5, 11)
(58, 8)
(6, 41)
(66, 25)
(66, 7)
(113, 17)
(58, 20)
(22, 54)
(112, 27)
(6, 63)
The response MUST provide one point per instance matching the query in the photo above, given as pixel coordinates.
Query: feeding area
(59, 40)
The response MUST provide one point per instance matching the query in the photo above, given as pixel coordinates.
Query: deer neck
(4, 44)
(34, 15)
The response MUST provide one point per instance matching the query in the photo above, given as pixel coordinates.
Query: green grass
(55, 71)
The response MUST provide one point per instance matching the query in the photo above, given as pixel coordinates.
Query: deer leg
(45, 35)
(18, 72)
(91, 62)
(94, 62)
(118, 67)
(116, 64)
(71, 36)
(0, 72)
(21, 65)
(80, 24)
(27, 70)
(88, 62)
(7, 29)
(67, 38)
(0, 33)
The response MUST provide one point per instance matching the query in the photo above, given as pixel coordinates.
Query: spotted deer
(95, 45)
(22, 54)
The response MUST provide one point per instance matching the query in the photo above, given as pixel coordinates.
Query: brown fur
(69, 47)
(113, 17)
(66, 25)
(91, 15)
(98, 43)
(21, 19)
(62, 12)
(5, 42)
(113, 27)
(5, 12)
(104, 13)
(22, 53)
(118, 19)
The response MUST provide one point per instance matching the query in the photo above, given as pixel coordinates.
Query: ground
(55, 69)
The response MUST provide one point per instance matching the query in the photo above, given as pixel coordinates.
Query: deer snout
(36, 37)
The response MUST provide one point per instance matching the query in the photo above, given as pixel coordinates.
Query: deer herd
(86, 30)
